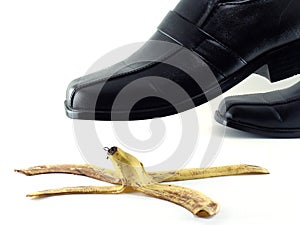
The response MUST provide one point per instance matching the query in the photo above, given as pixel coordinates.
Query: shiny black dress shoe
(273, 114)
(227, 41)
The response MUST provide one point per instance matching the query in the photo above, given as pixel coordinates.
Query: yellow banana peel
(130, 176)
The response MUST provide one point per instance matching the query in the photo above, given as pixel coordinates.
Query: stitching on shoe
(245, 2)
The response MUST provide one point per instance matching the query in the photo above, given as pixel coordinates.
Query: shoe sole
(262, 131)
(275, 65)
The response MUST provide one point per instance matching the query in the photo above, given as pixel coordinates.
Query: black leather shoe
(273, 114)
(227, 39)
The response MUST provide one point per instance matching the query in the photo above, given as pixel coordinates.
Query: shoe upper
(279, 109)
(222, 36)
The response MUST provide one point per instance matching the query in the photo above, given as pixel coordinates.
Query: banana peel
(130, 176)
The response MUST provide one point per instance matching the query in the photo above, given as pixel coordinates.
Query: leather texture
(227, 37)
(277, 110)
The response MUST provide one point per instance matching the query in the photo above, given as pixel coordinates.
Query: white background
(46, 44)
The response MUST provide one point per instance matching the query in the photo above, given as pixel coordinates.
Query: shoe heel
(282, 63)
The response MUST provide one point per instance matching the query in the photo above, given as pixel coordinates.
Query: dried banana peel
(130, 176)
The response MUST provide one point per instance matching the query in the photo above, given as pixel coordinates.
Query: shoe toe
(119, 97)
(249, 111)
